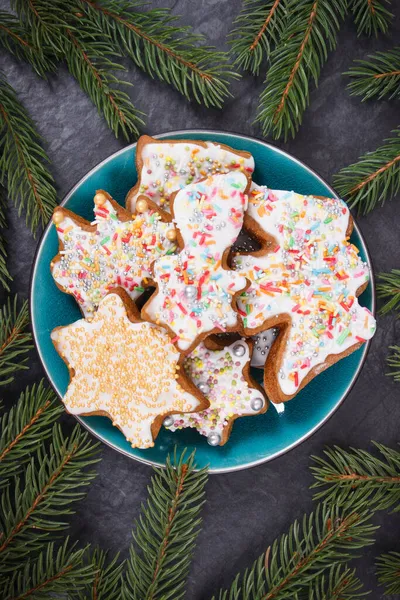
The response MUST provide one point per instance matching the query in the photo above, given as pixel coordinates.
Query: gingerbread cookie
(165, 166)
(223, 376)
(306, 283)
(116, 249)
(124, 369)
(196, 291)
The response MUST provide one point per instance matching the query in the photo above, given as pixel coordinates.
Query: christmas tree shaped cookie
(306, 283)
(116, 249)
(196, 290)
(165, 166)
(223, 375)
(124, 369)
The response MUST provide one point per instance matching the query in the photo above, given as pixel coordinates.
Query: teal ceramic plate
(254, 439)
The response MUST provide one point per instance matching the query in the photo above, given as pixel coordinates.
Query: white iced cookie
(222, 376)
(195, 289)
(165, 166)
(306, 283)
(126, 370)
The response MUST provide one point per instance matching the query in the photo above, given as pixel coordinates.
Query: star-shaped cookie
(165, 166)
(196, 289)
(306, 283)
(223, 375)
(125, 369)
(116, 249)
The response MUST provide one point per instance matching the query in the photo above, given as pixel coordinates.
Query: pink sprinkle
(220, 327)
(175, 339)
(310, 295)
(296, 308)
(359, 274)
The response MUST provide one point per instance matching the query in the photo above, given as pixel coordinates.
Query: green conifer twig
(388, 289)
(299, 57)
(107, 581)
(258, 26)
(388, 571)
(371, 16)
(358, 478)
(337, 583)
(25, 427)
(166, 532)
(15, 341)
(5, 276)
(393, 360)
(53, 571)
(379, 76)
(23, 161)
(53, 479)
(374, 178)
(294, 561)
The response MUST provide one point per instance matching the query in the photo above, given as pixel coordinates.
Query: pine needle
(388, 571)
(16, 39)
(357, 478)
(259, 26)
(298, 58)
(295, 560)
(388, 289)
(371, 16)
(379, 76)
(53, 479)
(25, 427)
(393, 360)
(54, 571)
(163, 49)
(5, 276)
(166, 532)
(23, 161)
(107, 581)
(337, 583)
(15, 341)
(374, 178)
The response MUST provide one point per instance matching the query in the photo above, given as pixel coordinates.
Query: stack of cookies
(182, 357)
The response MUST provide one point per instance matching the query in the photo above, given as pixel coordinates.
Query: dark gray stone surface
(246, 510)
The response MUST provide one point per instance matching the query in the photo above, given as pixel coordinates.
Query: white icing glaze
(117, 253)
(312, 274)
(262, 345)
(125, 369)
(170, 167)
(209, 215)
(229, 392)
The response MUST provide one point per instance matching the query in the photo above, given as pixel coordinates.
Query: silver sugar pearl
(168, 421)
(190, 292)
(204, 387)
(257, 404)
(239, 350)
(214, 439)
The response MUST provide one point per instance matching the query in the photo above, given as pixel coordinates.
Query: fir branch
(25, 427)
(379, 76)
(259, 25)
(52, 481)
(393, 360)
(295, 560)
(5, 276)
(388, 571)
(15, 38)
(163, 50)
(299, 57)
(357, 478)
(55, 571)
(166, 532)
(389, 289)
(338, 583)
(107, 581)
(15, 341)
(374, 178)
(23, 161)
(46, 22)
(87, 60)
(371, 16)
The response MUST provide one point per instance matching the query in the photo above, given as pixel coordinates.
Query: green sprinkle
(248, 309)
(114, 216)
(105, 240)
(139, 288)
(291, 242)
(245, 321)
(328, 220)
(343, 336)
(236, 185)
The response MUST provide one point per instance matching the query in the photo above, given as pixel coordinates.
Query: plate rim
(153, 463)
